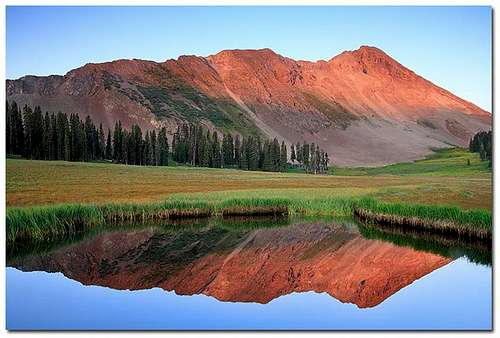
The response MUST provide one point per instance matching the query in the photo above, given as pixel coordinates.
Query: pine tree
(101, 144)
(305, 156)
(162, 145)
(46, 134)
(200, 145)
(293, 156)
(283, 157)
(64, 138)
(268, 160)
(109, 147)
(275, 155)
(146, 149)
(152, 144)
(66, 147)
(206, 150)
(260, 153)
(17, 130)
(28, 129)
(299, 152)
(243, 155)
(216, 151)
(237, 151)
(252, 153)
(317, 158)
(227, 150)
(8, 130)
(53, 138)
(118, 143)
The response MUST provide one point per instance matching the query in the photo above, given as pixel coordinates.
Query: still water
(310, 274)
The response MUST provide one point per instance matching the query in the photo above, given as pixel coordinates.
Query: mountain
(361, 106)
(250, 265)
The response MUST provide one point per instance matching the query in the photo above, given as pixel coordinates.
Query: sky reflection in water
(454, 296)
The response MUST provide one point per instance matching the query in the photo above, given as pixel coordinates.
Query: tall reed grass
(49, 223)
(444, 219)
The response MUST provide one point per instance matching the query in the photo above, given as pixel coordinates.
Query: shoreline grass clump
(447, 220)
(45, 223)
(50, 223)
(156, 211)
(254, 207)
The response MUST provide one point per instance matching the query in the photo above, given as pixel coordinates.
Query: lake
(280, 274)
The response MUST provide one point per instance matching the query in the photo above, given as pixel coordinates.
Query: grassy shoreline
(49, 199)
(446, 220)
(49, 223)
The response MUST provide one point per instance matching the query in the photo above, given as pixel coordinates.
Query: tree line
(310, 157)
(482, 143)
(57, 136)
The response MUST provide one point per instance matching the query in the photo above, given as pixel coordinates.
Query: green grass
(50, 223)
(448, 220)
(321, 203)
(33, 183)
(51, 199)
(444, 162)
(476, 217)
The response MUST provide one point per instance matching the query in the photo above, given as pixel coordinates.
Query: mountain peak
(245, 52)
(360, 102)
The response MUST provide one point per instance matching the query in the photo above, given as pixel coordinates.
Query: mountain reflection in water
(242, 264)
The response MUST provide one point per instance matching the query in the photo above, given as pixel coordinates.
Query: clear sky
(451, 46)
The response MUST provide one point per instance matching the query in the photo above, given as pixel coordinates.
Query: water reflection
(242, 261)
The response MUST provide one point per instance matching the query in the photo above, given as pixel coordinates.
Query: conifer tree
(118, 143)
(101, 144)
(305, 155)
(227, 150)
(109, 147)
(299, 153)
(283, 157)
(53, 138)
(28, 129)
(275, 155)
(216, 151)
(163, 147)
(243, 155)
(63, 141)
(152, 144)
(237, 151)
(268, 159)
(46, 133)
(8, 132)
(293, 156)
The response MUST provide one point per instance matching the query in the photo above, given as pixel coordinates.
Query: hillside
(361, 106)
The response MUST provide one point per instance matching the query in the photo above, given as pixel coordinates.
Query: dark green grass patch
(444, 219)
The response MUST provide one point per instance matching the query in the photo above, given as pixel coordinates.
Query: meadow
(42, 194)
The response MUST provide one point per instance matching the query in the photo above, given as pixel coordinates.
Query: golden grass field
(443, 179)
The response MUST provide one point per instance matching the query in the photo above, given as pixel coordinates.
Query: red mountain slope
(362, 106)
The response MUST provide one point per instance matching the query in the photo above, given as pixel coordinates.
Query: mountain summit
(361, 106)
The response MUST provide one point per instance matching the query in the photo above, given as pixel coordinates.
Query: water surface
(248, 275)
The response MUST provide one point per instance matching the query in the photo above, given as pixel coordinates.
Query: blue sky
(450, 46)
